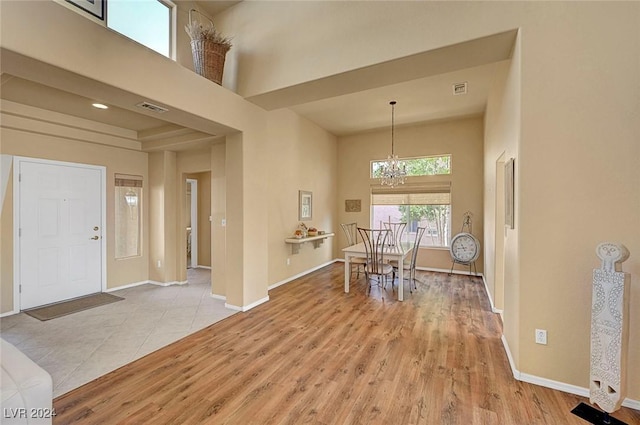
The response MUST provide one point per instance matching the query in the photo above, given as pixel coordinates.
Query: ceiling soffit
(36, 82)
(469, 54)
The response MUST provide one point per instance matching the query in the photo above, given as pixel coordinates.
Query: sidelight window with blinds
(419, 205)
(128, 217)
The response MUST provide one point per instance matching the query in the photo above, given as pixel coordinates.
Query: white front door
(59, 231)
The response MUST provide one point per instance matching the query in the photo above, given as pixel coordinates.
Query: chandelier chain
(393, 114)
(393, 170)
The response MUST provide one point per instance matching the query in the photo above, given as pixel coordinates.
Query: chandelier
(393, 170)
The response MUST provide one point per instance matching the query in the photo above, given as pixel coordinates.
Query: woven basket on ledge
(208, 59)
(208, 46)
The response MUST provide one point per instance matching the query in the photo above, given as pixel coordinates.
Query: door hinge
(20, 232)
(20, 289)
(19, 177)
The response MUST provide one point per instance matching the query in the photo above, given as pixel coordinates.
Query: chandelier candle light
(393, 171)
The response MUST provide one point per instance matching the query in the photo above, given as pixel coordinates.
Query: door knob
(96, 228)
(95, 238)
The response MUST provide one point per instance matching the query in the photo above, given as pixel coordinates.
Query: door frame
(500, 233)
(17, 161)
(194, 222)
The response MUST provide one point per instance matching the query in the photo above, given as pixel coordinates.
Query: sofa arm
(27, 389)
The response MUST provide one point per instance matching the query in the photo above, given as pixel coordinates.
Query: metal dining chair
(397, 230)
(395, 237)
(351, 233)
(375, 242)
(411, 266)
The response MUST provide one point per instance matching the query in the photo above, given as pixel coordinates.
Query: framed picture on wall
(94, 7)
(353, 205)
(509, 170)
(305, 205)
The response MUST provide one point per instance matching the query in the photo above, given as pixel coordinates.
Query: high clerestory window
(149, 22)
(421, 166)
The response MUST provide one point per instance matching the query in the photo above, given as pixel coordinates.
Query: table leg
(347, 271)
(400, 279)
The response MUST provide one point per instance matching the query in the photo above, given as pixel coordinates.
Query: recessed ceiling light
(100, 105)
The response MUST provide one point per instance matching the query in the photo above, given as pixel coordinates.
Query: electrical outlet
(541, 336)
(288, 261)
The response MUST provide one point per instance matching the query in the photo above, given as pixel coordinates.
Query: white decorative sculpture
(609, 328)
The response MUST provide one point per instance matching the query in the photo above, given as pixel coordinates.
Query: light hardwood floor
(314, 354)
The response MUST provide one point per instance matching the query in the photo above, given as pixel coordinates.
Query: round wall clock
(465, 248)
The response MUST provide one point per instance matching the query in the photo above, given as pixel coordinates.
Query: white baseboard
(175, 282)
(275, 285)
(289, 279)
(218, 297)
(203, 267)
(631, 404)
(484, 281)
(555, 385)
(248, 306)
(9, 313)
(270, 287)
(515, 372)
(433, 269)
(493, 306)
(145, 282)
(130, 285)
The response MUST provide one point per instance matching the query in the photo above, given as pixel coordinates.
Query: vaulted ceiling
(348, 103)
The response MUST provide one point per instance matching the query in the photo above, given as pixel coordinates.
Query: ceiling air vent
(151, 107)
(460, 88)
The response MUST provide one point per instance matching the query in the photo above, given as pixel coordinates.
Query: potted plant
(209, 48)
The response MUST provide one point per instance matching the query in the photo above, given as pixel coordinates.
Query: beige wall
(501, 142)
(118, 63)
(165, 260)
(302, 156)
(568, 114)
(218, 214)
(293, 42)
(575, 69)
(579, 178)
(6, 247)
(204, 224)
(462, 138)
(21, 141)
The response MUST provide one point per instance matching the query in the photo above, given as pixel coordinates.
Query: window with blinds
(419, 205)
(128, 217)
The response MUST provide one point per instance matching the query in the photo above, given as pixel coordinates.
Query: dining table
(397, 252)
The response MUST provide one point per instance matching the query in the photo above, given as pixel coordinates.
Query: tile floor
(80, 347)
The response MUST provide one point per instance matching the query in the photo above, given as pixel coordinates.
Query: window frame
(425, 190)
(412, 158)
(136, 184)
(172, 24)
